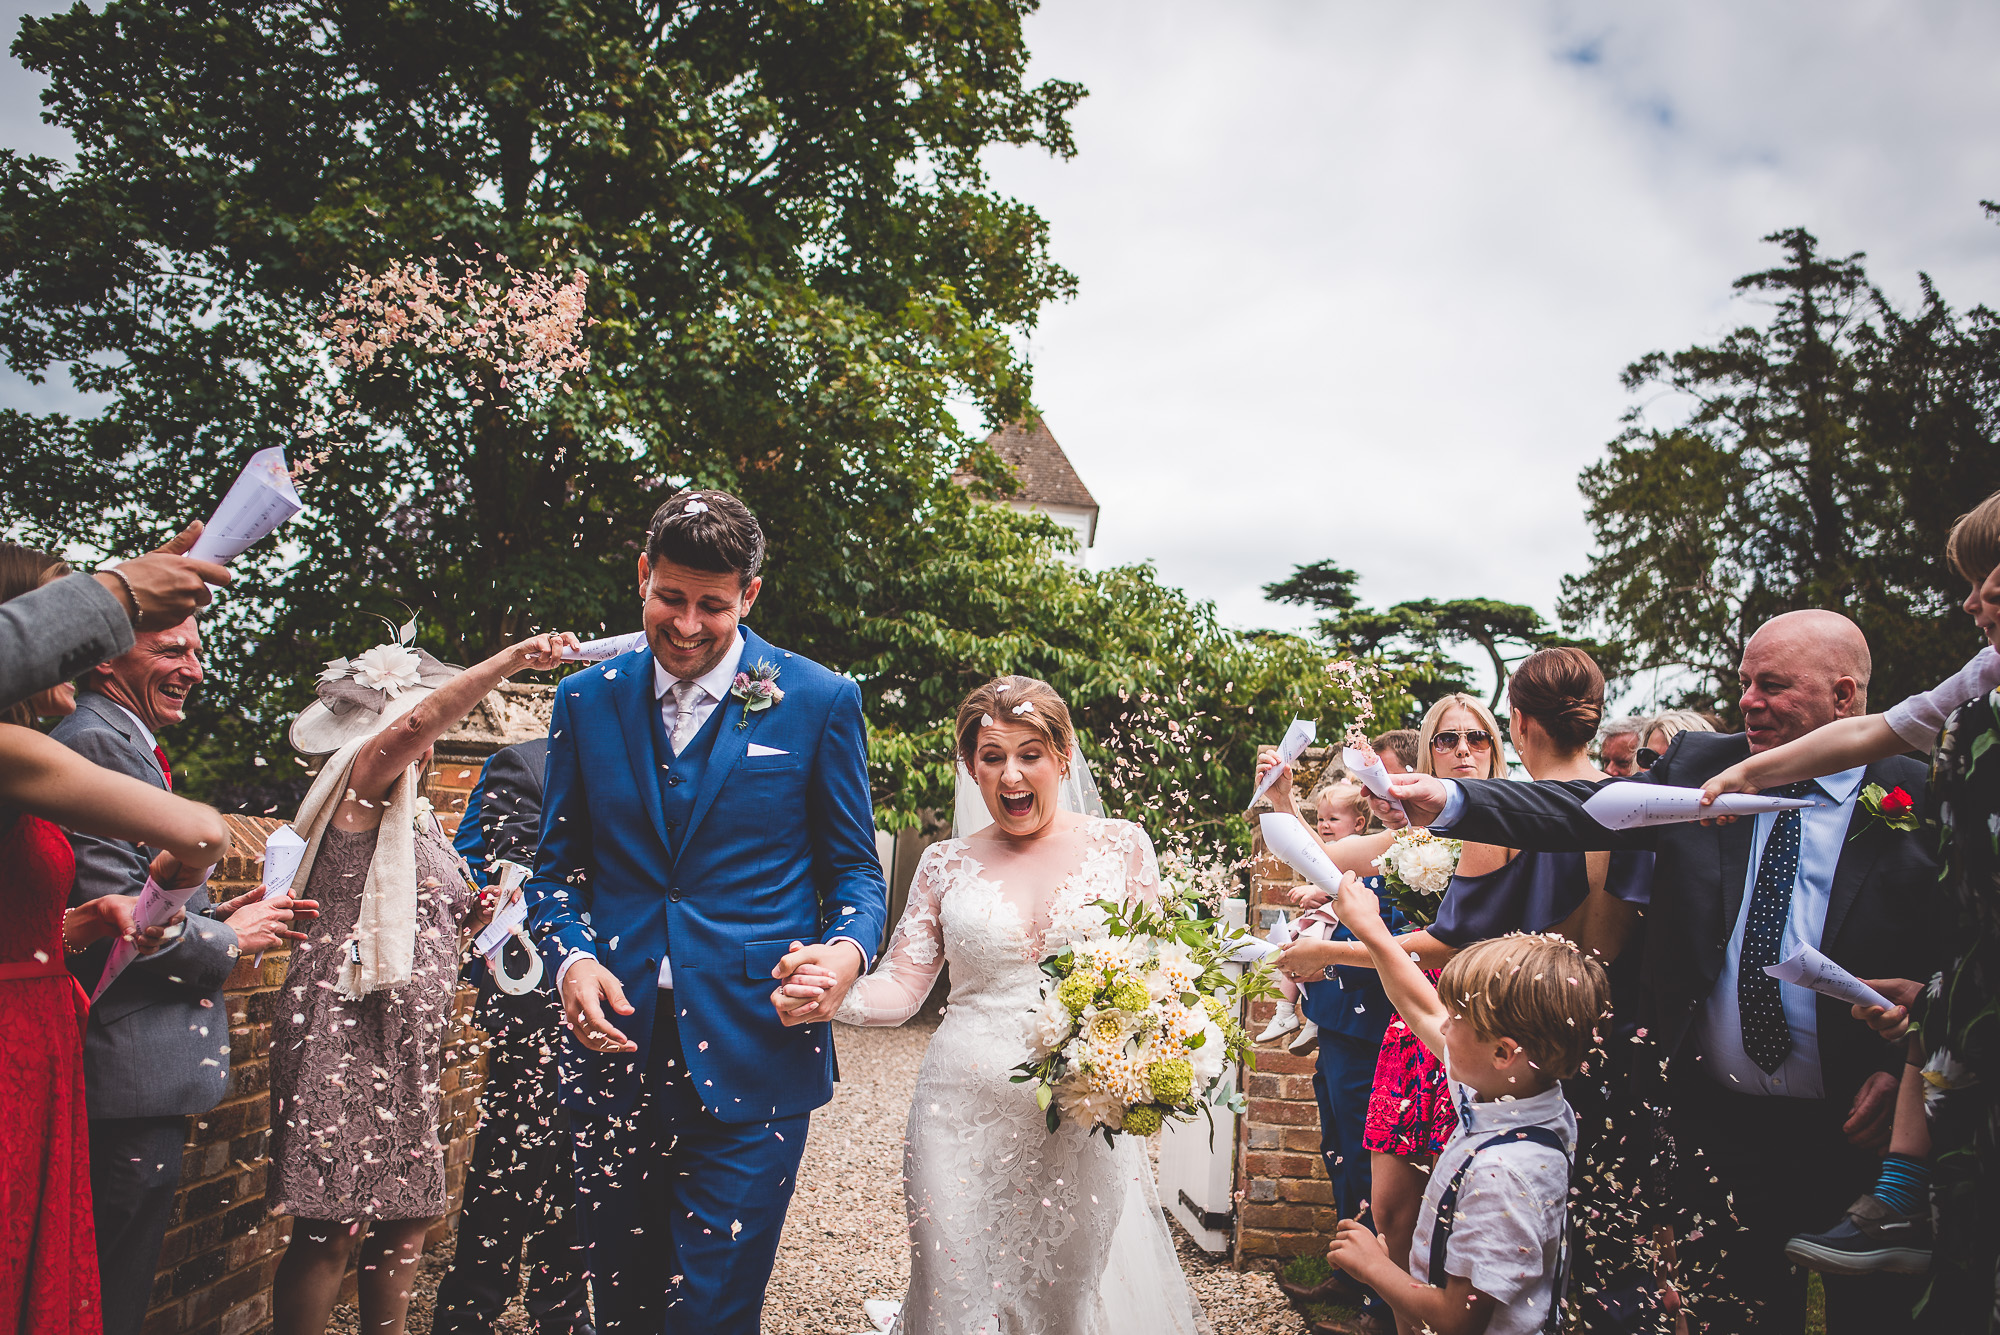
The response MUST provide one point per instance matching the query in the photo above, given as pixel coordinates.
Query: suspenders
(1447, 1213)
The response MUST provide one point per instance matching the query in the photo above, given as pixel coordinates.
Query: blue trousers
(1341, 1081)
(680, 1212)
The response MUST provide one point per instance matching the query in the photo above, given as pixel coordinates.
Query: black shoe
(1871, 1238)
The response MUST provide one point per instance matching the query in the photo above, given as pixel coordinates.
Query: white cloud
(1358, 281)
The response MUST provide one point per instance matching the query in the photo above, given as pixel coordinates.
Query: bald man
(1776, 1093)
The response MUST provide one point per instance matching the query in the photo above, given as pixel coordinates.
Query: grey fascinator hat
(360, 696)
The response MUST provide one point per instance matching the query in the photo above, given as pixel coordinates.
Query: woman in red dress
(48, 1246)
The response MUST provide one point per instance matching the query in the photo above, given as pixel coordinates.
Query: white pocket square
(759, 750)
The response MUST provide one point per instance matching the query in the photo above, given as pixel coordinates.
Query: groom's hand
(831, 969)
(588, 989)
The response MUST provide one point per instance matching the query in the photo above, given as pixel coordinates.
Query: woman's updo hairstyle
(1002, 700)
(1562, 690)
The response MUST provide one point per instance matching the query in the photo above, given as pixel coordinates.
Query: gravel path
(844, 1238)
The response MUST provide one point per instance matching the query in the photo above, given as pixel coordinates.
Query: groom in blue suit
(702, 836)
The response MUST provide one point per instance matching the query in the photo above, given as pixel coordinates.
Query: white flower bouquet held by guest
(1417, 867)
(1013, 1225)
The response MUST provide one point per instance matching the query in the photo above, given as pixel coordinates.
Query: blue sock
(1905, 1184)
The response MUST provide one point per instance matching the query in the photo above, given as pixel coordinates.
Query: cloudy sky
(1357, 280)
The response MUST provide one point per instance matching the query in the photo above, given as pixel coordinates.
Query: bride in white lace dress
(1014, 1230)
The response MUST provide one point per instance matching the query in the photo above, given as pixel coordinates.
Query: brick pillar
(1285, 1200)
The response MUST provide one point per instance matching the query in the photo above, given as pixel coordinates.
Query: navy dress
(1351, 1010)
(1534, 893)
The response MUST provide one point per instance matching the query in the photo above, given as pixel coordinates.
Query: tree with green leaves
(1170, 705)
(1823, 457)
(794, 260)
(1414, 636)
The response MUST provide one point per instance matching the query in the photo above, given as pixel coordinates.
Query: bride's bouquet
(1137, 1021)
(1417, 868)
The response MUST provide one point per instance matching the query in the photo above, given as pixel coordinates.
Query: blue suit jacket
(778, 848)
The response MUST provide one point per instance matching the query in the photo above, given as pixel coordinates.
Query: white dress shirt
(714, 686)
(1718, 1026)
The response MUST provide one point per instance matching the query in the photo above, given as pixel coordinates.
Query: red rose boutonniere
(1894, 808)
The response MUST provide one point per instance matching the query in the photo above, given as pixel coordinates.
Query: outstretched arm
(1841, 744)
(54, 782)
(1409, 991)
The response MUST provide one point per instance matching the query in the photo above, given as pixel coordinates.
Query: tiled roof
(1047, 477)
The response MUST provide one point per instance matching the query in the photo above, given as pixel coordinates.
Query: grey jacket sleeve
(204, 953)
(54, 633)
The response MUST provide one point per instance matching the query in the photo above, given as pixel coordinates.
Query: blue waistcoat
(680, 775)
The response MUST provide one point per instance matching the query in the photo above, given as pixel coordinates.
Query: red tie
(166, 770)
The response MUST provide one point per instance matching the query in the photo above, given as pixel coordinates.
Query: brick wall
(222, 1246)
(1284, 1201)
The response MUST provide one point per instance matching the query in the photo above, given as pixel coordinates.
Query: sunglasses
(1648, 757)
(1476, 739)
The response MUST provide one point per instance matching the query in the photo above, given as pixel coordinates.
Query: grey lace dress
(356, 1085)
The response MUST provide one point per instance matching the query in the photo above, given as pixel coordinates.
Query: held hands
(814, 980)
(1423, 796)
(588, 990)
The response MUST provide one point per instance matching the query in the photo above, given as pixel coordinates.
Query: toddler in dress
(1342, 807)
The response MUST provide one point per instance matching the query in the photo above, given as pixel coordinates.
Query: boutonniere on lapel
(758, 689)
(1894, 808)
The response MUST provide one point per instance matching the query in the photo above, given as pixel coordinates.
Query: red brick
(1305, 1192)
(1274, 1060)
(1282, 1112)
(1284, 1217)
(1303, 1138)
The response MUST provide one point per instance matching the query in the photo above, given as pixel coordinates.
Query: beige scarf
(382, 951)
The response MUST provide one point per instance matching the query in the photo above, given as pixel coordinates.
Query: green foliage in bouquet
(1137, 1023)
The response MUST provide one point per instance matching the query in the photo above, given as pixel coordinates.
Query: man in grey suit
(157, 1047)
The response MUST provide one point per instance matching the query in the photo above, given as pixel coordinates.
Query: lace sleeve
(1142, 868)
(903, 978)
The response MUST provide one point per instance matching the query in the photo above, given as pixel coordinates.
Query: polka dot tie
(1767, 1037)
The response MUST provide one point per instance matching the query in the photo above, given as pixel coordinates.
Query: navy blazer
(779, 847)
(1881, 920)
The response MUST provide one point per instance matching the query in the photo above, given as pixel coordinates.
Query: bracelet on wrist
(131, 594)
(68, 949)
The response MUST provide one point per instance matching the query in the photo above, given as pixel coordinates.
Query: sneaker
(1282, 1023)
(1872, 1237)
(1306, 1042)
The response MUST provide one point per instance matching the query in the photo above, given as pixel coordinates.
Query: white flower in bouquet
(1053, 1025)
(1418, 867)
(1208, 1059)
(1080, 1103)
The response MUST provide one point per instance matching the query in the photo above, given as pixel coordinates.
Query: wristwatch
(1326, 972)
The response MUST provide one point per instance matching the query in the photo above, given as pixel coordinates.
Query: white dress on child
(1014, 1230)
